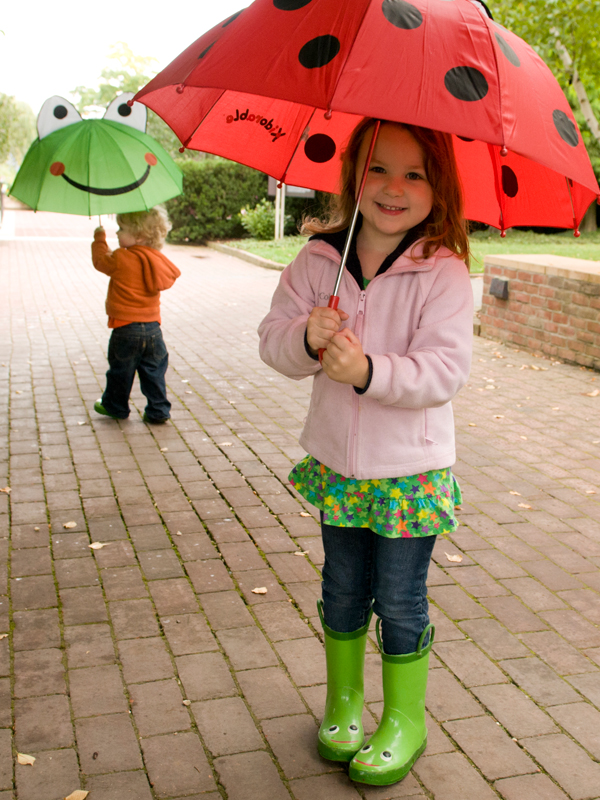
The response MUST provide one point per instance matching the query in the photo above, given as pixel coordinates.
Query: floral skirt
(417, 505)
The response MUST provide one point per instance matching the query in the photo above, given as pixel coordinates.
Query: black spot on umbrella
(124, 110)
(319, 51)
(60, 112)
(204, 52)
(319, 148)
(231, 19)
(402, 14)
(466, 83)
(290, 5)
(464, 139)
(510, 184)
(566, 129)
(507, 50)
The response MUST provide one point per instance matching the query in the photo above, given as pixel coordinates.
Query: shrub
(214, 191)
(259, 221)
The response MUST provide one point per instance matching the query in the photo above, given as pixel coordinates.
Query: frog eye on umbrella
(54, 114)
(367, 748)
(386, 755)
(120, 111)
(353, 728)
(333, 729)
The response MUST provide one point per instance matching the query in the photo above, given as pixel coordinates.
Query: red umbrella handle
(333, 303)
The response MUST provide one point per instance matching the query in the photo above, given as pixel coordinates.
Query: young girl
(379, 431)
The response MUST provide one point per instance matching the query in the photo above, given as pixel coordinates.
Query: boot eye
(334, 729)
(367, 748)
(353, 728)
(386, 755)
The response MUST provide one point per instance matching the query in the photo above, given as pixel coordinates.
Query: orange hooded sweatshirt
(137, 276)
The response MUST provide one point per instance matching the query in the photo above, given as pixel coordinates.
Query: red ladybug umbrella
(280, 85)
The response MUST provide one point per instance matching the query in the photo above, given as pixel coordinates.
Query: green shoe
(147, 419)
(401, 736)
(341, 733)
(99, 409)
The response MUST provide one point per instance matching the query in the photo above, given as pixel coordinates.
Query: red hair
(444, 226)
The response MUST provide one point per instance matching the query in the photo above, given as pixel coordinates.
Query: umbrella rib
(367, 5)
(489, 22)
(189, 139)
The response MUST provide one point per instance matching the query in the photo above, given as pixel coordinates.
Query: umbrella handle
(333, 303)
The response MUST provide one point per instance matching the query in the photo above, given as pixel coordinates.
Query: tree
(17, 132)
(128, 72)
(566, 34)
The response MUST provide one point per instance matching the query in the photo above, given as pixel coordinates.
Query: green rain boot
(401, 736)
(341, 733)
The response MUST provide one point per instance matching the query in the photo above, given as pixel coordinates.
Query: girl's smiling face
(397, 194)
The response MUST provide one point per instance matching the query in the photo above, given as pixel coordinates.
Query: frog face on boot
(334, 735)
(371, 758)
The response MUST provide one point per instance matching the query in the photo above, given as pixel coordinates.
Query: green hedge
(214, 191)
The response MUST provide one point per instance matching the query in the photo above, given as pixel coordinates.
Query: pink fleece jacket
(416, 323)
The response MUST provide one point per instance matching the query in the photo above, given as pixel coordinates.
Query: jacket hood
(158, 273)
(404, 263)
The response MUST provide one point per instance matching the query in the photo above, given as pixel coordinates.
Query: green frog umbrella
(95, 166)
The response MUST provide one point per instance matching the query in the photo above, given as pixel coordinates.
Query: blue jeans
(137, 347)
(364, 569)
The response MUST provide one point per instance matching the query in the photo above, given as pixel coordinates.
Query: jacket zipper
(360, 316)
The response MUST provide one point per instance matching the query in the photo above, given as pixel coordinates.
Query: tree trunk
(584, 102)
(588, 223)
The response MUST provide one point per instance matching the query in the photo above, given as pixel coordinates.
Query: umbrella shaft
(356, 210)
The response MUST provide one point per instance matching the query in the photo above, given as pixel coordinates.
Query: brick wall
(553, 306)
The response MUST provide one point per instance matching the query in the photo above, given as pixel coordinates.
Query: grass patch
(483, 243)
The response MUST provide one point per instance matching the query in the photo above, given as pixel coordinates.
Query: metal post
(277, 205)
(282, 212)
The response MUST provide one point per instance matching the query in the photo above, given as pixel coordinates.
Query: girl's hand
(322, 324)
(344, 360)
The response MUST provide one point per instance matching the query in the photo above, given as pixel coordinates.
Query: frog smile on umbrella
(95, 166)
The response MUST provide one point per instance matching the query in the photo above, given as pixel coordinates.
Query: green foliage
(214, 192)
(259, 221)
(127, 72)
(17, 132)
(575, 23)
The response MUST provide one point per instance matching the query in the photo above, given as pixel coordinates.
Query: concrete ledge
(575, 269)
(266, 263)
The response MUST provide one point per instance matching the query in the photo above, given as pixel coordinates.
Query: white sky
(51, 46)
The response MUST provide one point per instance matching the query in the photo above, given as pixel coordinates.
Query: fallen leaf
(472, 425)
(305, 514)
(6, 490)
(523, 437)
(587, 491)
(70, 525)
(224, 444)
(498, 416)
(178, 533)
(36, 529)
(458, 508)
(186, 702)
(3, 635)
(25, 760)
(185, 380)
(81, 423)
(517, 493)
(524, 505)
(98, 545)
(456, 559)
(524, 366)
(17, 392)
(300, 552)
(164, 449)
(534, 366)
(555, 408)
(188, 391)
(260, 590)
(78, 794)
(595, 393)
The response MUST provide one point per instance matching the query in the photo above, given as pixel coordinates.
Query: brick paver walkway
(148, 668)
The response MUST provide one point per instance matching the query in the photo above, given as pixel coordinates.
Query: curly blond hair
(150, 228)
